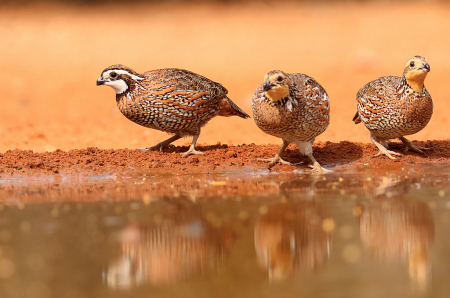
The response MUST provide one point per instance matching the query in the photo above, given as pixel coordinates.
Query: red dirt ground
(137, 175)
(219, 158)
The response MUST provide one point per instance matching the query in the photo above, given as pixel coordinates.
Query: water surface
(352, 233)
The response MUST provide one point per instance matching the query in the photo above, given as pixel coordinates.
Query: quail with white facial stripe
(173, 100)
(293, 107)
(393, 107)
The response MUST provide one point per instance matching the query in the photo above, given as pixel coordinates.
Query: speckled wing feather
(314, 103)
(383, 88)
(186, 80)
(374, 97)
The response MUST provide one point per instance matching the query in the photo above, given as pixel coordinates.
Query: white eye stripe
(121, 71)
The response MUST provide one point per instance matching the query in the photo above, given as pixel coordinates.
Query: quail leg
(162, 144)
(317, 169)
(409, 145)
(277, 157)
(382, 149)
(192, 150)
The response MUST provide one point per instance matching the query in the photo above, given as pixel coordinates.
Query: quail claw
(409, 145)
(191, 152)
(153, 148)
(415, 149)
(274, 160)
(387, 153)
(317, 169)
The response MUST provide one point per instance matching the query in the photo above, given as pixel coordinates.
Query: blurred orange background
(52, 54)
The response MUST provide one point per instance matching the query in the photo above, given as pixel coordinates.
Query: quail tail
(235, 110)
(356, 118)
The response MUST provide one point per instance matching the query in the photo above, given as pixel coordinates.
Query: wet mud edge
(218, 158)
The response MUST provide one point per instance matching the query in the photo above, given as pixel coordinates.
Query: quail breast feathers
(172, 100)
(393, 107)
(293, 107)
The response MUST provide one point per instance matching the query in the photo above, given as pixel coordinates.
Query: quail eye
(279, 79)
(113, 75)
(412, 64)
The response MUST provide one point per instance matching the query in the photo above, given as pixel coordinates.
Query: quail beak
(267, 86)
(425, 67)
(100, 81)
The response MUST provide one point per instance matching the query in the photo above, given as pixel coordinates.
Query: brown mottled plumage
(293, 107)
(173, 100)
(394, 107)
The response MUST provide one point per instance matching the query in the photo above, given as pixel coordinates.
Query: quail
(293, 107)
(393, 107)
(172, 100)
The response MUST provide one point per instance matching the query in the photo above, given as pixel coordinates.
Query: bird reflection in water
(174, 245)
(294, 235)
(394, 228)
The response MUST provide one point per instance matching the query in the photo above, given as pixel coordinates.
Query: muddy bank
(92, 174)
(219, 158)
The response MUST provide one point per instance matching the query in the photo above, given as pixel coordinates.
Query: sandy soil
(226, 171)
(52, 56)
(219, 158)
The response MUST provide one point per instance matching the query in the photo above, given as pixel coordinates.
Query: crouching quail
(293, 107)
(393, 107)
(173, 100)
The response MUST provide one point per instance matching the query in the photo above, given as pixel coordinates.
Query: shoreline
(219, 158)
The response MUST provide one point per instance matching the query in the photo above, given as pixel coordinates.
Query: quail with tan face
(173, 100)
(293, 107)
(393, 107)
